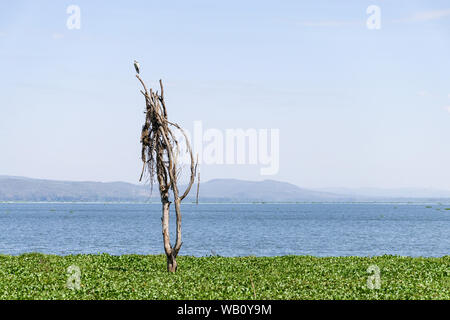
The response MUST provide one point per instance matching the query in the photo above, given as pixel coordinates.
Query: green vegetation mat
(37, 276)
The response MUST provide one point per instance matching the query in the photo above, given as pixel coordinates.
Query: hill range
(218, 190)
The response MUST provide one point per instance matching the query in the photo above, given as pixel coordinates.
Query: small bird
(136, 66)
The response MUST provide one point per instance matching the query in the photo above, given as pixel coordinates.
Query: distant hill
(233, 190)
(26, 189)
(411, 193)
(221, 190)
(217, 190)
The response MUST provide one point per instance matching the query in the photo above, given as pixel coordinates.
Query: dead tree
(160, 154)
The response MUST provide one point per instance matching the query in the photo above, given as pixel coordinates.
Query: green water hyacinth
(38, 276)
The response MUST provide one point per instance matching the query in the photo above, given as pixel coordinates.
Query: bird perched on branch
(136, 66)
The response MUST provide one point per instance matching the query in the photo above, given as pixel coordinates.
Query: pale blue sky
(355, 107)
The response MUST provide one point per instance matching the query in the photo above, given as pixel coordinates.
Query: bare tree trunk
(171, 263)
(165, 227)
(159, 158)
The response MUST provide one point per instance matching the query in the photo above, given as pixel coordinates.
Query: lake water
(228, 229)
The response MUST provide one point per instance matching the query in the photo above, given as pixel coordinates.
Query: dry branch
(160, 153)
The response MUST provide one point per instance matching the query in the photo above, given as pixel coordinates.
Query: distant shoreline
(446, 202)
(216, 191)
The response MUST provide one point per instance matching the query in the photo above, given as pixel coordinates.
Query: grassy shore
(37, 276)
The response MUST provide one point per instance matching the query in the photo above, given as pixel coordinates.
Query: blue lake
(228, 229)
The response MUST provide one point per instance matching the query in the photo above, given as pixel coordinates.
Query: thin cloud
(448, 109)
(426, 16)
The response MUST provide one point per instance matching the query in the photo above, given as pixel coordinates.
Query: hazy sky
(355, 107)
